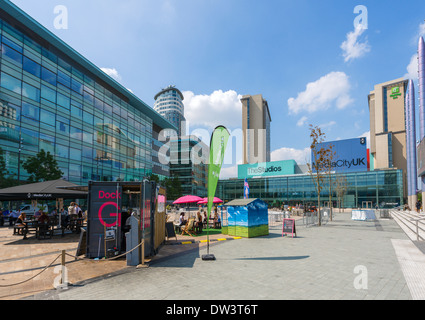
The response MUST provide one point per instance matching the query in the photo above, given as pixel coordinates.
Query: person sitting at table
(38, 214)
(53, 213)
(21, 223)
(182, 220)
(78, 210)
(14, 216)
(205, 220)
(217, 220)
(44, 218)
(72, 210)
(198, 223)
(64, 218)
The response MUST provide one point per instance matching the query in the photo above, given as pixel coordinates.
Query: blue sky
(214, 51)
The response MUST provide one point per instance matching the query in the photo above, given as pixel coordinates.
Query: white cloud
(301, 156)
(229, 172)
(302, 121)
(351, 47)
(327, 125)
(421, 32)
(321, 94)
(218, 108)
(113, 73)
(412, 67)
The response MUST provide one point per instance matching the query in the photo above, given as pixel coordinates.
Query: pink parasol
(205, 200)
(187, 199)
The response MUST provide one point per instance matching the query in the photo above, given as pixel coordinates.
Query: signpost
(289, 227)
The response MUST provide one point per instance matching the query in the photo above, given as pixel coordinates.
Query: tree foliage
(42, 167)
(6, 179)
(174, 187)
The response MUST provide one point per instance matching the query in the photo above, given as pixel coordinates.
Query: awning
(47, 190)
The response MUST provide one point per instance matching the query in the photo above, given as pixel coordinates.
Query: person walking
(418, 206)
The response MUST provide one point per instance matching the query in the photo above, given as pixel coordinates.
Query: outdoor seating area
(46, 230)
(195, 222)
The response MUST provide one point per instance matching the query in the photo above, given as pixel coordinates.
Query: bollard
(417, 230)
(64, 281)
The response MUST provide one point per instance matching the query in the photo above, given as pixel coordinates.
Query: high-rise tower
(412, 175)
(421, 78)
(169, 104)
(256, 129)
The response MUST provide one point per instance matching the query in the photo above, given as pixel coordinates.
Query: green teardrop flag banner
(218, 146)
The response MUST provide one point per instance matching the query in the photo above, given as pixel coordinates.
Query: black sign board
(289, 227)
(104, 214)
(82, 245)
(169, 228)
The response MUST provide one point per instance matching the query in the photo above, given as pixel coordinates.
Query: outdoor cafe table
(34, 225)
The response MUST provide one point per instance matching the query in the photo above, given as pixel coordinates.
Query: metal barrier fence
(312, 218)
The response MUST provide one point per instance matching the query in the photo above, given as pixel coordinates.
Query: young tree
(42, 167)
(331, 155)
(319, 162)
(341, 189)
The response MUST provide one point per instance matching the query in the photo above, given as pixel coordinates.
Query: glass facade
(188, 158)
(375, 187)
(50, 101)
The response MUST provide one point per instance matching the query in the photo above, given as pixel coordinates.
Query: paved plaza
(343, 259)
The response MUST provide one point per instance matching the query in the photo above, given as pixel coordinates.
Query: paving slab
(344, 259)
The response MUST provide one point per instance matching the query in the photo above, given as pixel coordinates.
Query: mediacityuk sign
(350, 154)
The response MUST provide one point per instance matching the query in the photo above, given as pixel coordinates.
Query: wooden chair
(188, 228)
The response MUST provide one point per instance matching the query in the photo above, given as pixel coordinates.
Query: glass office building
(363, 189)
(54, 99)
(188, 161)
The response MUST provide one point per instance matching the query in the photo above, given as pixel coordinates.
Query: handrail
(413, 220)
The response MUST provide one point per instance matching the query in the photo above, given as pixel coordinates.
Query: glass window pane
(30, 111)
(32, 67)
(11, 55)
(10, 83)
(75, 154)
(88, 152)
(64, 79)
(63, 101)
(88, 98)
(48, 94)
(88, 117)
(47, 117)
(48, 76)
(12, 44)
(62, 125)
(75, 111)
(76, 86)
(62, 151)
(76, 133)
(30, 92)
(88, 137)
